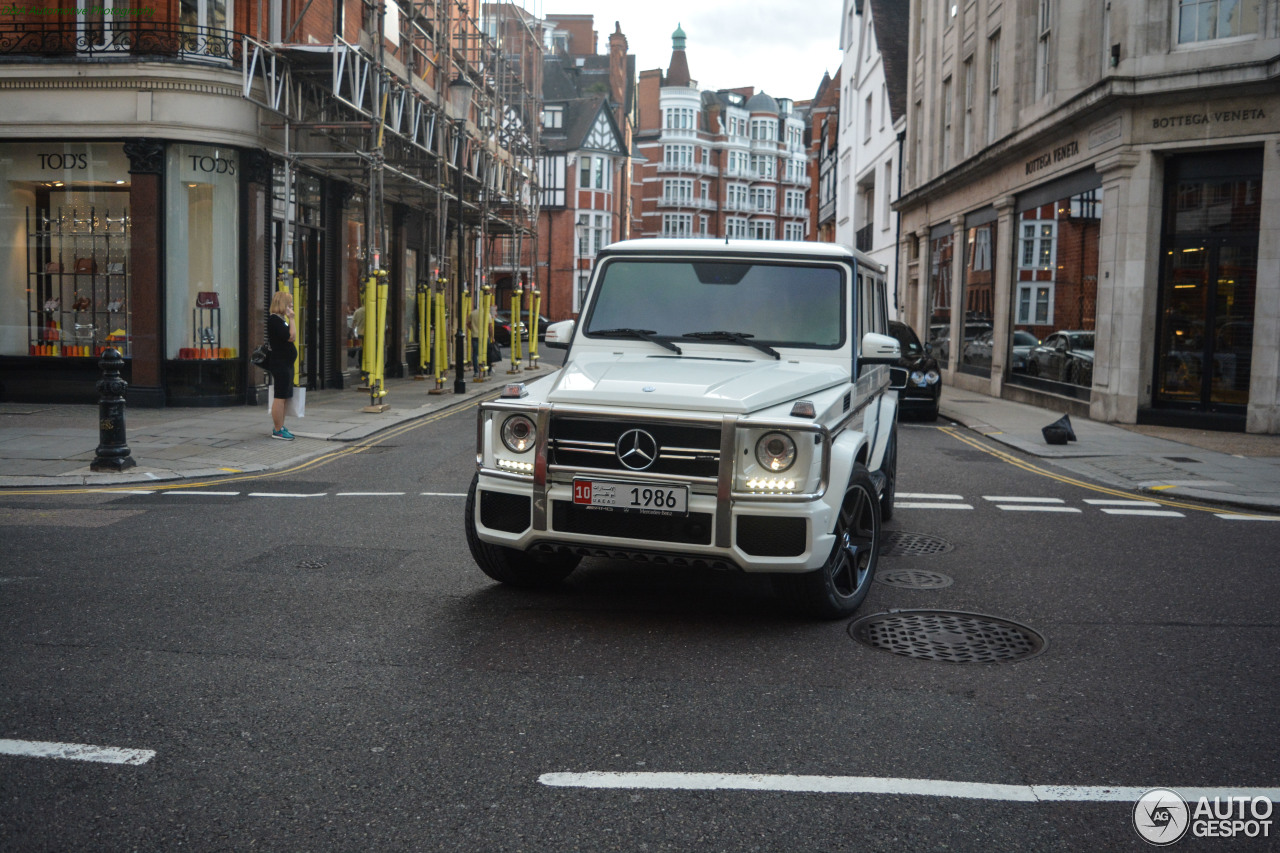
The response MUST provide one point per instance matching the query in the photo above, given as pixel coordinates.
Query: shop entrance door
(1208, 282)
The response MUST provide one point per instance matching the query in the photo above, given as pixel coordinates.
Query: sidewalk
(1231, 469)
(46, 444)
(51, 444)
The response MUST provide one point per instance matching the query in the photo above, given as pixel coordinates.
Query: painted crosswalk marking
(75, 752)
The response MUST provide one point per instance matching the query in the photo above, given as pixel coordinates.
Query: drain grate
(913, 579)
(948, 635)
(313, 564)
(899, 543)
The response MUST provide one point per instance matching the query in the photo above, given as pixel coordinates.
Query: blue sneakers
(283, 434)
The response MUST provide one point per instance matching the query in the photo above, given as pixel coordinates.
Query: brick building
(584, 167)
(730, 163)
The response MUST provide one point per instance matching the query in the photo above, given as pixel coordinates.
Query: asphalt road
(332, 672)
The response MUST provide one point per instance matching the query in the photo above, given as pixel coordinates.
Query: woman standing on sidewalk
(280, 337)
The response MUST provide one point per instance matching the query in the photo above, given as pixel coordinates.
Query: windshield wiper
(642, 334)
(735, 337)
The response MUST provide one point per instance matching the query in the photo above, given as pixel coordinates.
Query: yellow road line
(324, 459)
(1027, 466)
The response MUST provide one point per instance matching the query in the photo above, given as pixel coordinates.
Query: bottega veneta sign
(1220, 117)
(1057, 155)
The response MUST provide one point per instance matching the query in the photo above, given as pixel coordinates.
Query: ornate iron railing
(118, 39)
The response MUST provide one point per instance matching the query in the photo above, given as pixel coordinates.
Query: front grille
(683, 450)
(691, 529)
(501, 511)
(766, 536)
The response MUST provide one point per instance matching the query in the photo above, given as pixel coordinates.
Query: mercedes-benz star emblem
(637, 449)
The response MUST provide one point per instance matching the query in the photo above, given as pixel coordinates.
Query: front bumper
(761, 536)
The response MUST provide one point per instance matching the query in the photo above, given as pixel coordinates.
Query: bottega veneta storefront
(1125, 268)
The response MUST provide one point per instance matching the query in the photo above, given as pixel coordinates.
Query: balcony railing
(122, 39)
(688, 168)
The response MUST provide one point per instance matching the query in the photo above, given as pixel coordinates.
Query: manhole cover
(913, 579)
(899, 543)
(313, 564)
(948, 635)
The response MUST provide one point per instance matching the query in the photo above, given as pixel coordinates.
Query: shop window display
(202, 253)
(979, 298)
(941, 249)
(1056, 293)
(65, 226)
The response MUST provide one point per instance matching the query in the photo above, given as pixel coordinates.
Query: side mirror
(559, 334)
(880, 349)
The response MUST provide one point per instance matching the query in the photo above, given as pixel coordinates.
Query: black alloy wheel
(838, 588)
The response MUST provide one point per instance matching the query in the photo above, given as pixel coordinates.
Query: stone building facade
(1091, 205)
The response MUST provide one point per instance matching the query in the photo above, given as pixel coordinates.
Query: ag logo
(1161, 817)
(637, 449)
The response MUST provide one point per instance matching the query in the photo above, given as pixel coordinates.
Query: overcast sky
(779, 47)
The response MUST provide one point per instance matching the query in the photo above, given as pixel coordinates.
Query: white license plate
(644, 497)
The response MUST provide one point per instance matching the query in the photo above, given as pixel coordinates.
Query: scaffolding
(434, 105)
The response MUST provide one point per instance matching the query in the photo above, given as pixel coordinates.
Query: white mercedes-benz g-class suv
(722, 404)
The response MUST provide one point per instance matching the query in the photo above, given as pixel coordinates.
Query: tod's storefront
(135, 246)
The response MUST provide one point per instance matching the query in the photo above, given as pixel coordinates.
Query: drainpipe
(897, 237)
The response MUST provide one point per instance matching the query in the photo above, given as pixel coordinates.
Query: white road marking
(880, 785)
(1232, 517)
(1165, 513)
(75, 752)
(445, 494)
(1035, 508)
(286, 495)
(1130, 502)
(929, 497)
(368, 494)
(217, 494)
(1001, 499)
(897, 504)
(132, 491)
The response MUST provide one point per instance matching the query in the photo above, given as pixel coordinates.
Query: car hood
(689, 383)
(1083, 354)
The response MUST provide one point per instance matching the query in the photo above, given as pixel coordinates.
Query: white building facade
(871, 127)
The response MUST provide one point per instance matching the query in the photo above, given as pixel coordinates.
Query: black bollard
(112, 454)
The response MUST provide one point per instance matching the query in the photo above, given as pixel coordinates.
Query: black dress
(283, 355)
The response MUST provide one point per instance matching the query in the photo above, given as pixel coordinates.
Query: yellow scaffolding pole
(369, 302)
(535, 308)
(486, 331)
(377, 379)
(440, 345)
(517, 350)
(424, 329)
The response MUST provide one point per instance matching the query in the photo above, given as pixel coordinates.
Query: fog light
(771, 484)
(514, 465)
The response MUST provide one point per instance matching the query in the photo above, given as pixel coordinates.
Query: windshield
(1024, 339)
(780, 304)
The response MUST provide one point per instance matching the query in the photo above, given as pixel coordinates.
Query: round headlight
(776, 451)
(917, 378)
(932, 377)
(518, 433)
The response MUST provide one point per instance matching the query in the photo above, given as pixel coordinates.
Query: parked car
(502, 327)
(940, 339)
(1065, 356)
(1023, 343)
(924, 382)
(977, 352)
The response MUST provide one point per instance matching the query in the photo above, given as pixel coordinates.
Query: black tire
(889, 467)
(836, 590)
(512, 567)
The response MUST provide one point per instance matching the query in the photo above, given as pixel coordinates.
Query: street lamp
(460, 101)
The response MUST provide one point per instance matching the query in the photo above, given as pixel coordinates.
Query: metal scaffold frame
(384, 115)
